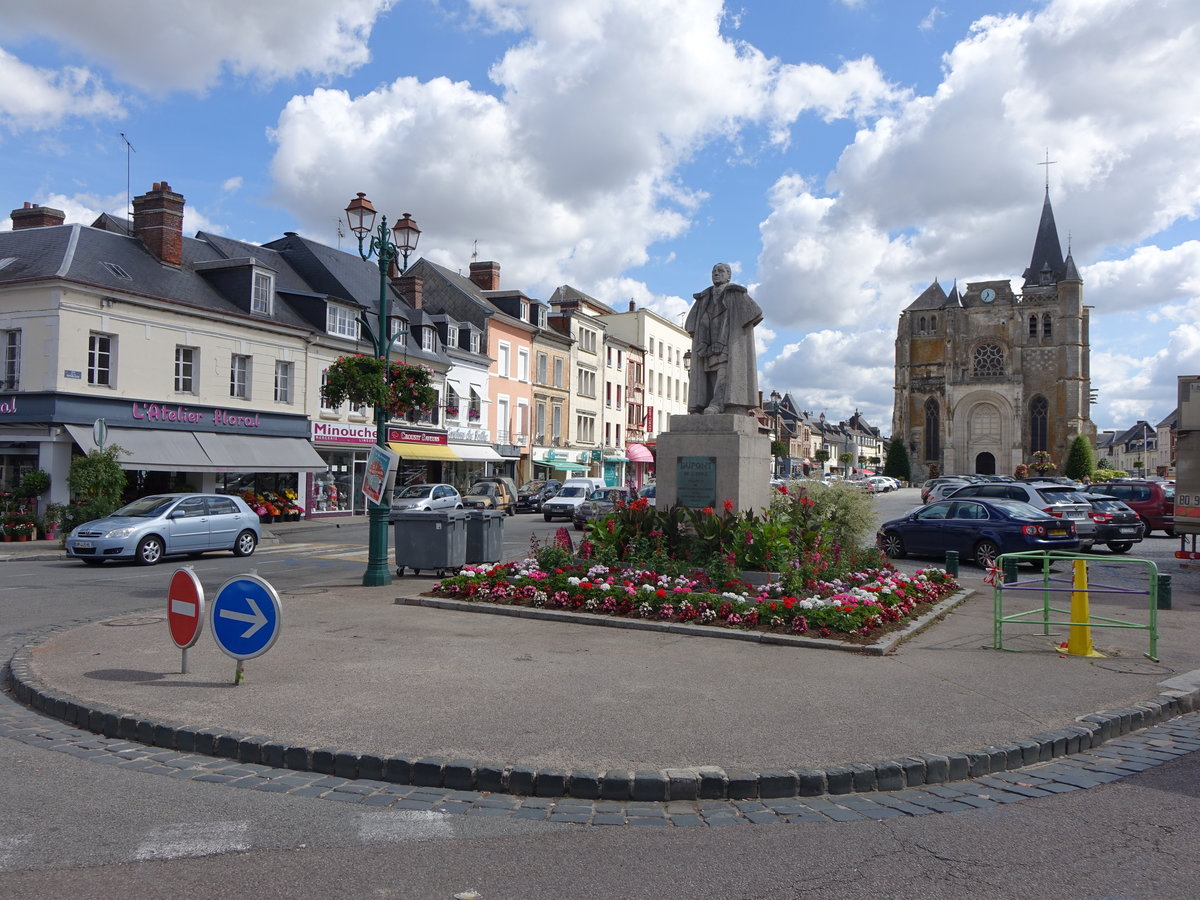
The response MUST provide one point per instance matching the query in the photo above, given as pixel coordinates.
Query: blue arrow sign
(245, 617)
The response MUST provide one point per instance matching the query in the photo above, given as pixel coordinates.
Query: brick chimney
(486, 275)
(409, 287)
(32, 216)
(158, 221)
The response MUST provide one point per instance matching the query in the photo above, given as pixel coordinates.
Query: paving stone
(459, 774)
(550, 782)
(584, 783)
(714, 784)
(427, 771)
(741, 785)
(840, 779)
(608, 819)
(889, 775)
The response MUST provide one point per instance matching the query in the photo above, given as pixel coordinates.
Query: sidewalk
(359, 675)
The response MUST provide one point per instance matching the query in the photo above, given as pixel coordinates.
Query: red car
(1154, 501)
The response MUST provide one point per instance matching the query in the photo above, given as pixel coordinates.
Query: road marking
(9, 846)
(190, 839)
(405, 825)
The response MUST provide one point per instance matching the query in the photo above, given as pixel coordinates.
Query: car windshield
(146, 507)
(573, 491)
(415, 491)
(530, 487)
(1062, 495)
(484, 489)
(1020, 509)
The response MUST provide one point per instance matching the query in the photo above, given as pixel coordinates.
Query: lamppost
(775, 398)
(386, 249)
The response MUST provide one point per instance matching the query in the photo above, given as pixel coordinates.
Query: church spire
(1047, 250)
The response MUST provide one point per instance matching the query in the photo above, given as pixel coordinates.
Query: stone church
(985, 378)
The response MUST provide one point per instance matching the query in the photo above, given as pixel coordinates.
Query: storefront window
(333, 490)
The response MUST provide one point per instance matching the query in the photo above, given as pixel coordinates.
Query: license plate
(1058, 532)
(1128, 531)
(84, 545)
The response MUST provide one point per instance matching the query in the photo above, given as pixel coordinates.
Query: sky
(839, 154)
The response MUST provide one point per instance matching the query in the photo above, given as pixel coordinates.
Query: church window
(989, 360)
(1033, 326)
(933, 323)
(933, 430)
(1039, 418)
(921, 325)
(1047, 329)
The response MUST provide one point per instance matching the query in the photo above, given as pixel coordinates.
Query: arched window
(933, 430)
(1039, 422)
(921, 326)
(933, 323)
(1033, 326)
(989, 360)
(1047, 329)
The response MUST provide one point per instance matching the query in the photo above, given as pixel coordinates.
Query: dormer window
(452, 335)
(342, 321)
(474, 342)
(264, 291)
(541, 317)
(427, 339)
(399, 333)
(524, 311)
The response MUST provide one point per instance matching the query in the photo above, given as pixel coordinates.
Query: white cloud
(189, 46)
(931, 18)
(32, 98)
(838, 372)
(231, 185)
(1147, 278)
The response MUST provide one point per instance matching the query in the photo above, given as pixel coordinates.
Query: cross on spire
(1048, 163)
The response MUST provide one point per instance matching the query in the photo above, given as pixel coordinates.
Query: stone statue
(724, 374)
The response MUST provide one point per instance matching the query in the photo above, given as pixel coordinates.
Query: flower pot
(8, 537)
(22, 537)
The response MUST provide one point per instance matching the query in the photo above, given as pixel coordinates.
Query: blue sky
(840, 154)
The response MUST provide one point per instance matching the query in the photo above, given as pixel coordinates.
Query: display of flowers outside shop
(274, 507)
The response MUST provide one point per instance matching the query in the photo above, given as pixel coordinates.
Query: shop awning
(479, 391)
(639, 453)
(616, 459)
(151, 449)
(163, 450)
(408, 450)
(567, 466)
(475, 452)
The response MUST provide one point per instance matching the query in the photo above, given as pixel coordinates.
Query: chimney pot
(158, 221)
(486, 275)
(30, 215)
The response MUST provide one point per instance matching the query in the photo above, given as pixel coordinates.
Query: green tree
(1080, 459)
(897, 463)
(97, 482)
(846, 459)
(822, 457)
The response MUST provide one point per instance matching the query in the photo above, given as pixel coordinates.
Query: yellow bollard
(1079, 643)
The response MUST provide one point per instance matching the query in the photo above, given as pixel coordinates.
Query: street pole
(775, 398)
(361, 216)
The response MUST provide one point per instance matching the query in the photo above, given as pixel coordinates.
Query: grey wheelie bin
(485, 535)
(434, 540)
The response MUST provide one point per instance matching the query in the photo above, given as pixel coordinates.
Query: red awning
(639, 453)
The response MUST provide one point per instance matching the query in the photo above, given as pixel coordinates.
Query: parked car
(532, 494)
(161, 525)
(492, 492)
(941, 488)
(1154, 501)
(573, 492)
(1117, 525)
(977, 529)
(1050, 497)
(421, 497)
(598, 504)
(880, 484)
(649, 493)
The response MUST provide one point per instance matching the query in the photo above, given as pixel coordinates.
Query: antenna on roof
(475, 251)
(128, 164)
(1048, 163)
(341, 234)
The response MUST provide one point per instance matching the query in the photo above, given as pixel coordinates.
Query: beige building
(987, 377)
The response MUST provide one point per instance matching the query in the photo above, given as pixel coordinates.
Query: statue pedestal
(706, 460)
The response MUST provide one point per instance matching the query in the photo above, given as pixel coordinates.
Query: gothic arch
(1039, 424)
(933, 430)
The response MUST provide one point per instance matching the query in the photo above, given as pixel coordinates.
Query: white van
(573, 492)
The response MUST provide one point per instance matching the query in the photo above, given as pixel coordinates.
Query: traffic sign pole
(185, 611)
(245, 618)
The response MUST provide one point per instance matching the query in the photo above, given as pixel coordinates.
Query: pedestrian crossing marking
(9, 848)
(404, 825)
(182, 840)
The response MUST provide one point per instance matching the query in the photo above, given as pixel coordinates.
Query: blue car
(977, 529)
(152, 527)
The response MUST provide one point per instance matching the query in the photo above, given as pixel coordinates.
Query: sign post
(245, 618)
(185, 611)
(100, 433)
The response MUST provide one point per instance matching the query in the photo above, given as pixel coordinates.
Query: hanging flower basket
(399, 388)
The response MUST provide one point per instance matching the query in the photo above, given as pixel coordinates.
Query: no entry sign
(185, 608)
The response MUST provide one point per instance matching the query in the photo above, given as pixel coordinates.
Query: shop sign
(550, 456)
(222, 418)
(7, 407)
(336, 432)
(409, 436)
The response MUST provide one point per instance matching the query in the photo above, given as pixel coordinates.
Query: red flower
(782, 488)
(708, 510)
(728, 506)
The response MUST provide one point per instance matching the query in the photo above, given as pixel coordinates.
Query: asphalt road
(70, 827)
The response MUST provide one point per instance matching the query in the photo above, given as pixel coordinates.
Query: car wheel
(1169, 532)
(245, 543)
(547, 516)
(892, 546)
(92, 562)
(1149, 529)
(149, 550)
(986, 553)
(1120, 546)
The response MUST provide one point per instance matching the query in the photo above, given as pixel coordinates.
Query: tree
(897, 464)
(846, 459)
(822, 457)
(1080, 459)
(97, 481)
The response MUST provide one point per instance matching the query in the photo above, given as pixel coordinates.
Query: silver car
(160, 525)
(424, 497)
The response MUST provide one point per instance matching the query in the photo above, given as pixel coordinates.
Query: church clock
(988, 295)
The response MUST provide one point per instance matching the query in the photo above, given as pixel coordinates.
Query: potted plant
(23, 531)
(33, 483)
(53, 519)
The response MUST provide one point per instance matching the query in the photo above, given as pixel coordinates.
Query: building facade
(987, 377)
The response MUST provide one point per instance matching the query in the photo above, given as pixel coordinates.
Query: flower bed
(857, 608)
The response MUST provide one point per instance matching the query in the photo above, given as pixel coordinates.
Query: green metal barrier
(1047, 585)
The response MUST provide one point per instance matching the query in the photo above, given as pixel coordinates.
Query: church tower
(987, 377)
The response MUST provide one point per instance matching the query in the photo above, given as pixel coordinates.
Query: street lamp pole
(775, 398)
(386, 248)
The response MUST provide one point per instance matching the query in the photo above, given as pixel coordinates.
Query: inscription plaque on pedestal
(696, 481)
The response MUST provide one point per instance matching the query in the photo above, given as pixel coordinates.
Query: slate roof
(1047, 250)
(933, 297)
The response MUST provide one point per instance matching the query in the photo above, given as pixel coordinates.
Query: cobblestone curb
(1088, 733)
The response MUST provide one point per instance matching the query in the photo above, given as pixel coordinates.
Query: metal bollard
(1164, 591)
(952, 563)
(1010, 571)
